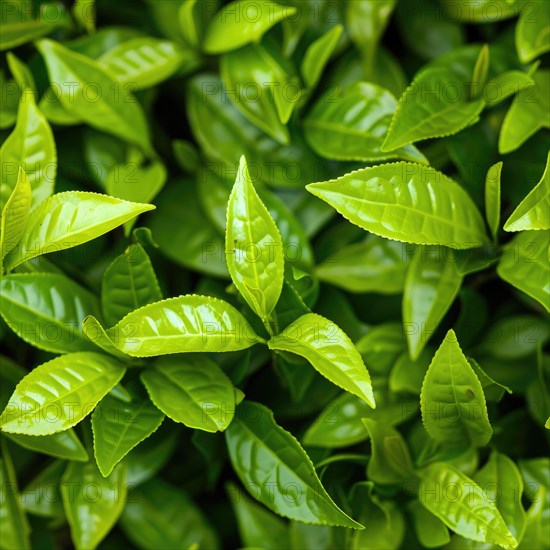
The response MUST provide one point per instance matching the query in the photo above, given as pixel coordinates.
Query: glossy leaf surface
(46, 310)
(254, 439)
(330, 351)
(406, 202)
(452, 400)
(118, 427)
(193, 390)
(60, 393)
(69, 219)
(469, 513)
(128, 283)
(184, 324)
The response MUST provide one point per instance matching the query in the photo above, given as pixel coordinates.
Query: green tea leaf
(390, 461)
(434, 105)
(431, 286)
(69, 219)
(258, 527)
(14, 527)
(118, 427)
(492, 198)
(60, 393)
(524, 264)
(159, 515)
(91, 518)
(242, 22)
(373, 265)
(253, 247)
(502, 483)
(46, 310)
(30, 146)
(15, 214)
(532, 31)
(144, 62)
(61, 445)
(128, 284)
(505, 85)
(97, 98)
(257, 76)
(352, 123)
(184, 324)
(462, 505)
(21, 24)
(452, 400)
(527, 115)
(193, 390)
(430, 531)
(533, 212)
(269, 460)
(330, 352)
(317, 55)
(406, 202)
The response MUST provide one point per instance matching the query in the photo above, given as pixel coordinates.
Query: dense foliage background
(275, 274)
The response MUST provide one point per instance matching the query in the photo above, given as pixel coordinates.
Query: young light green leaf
(46, 310)
(524, 264)
(431, 286)
(253, 247)
(14, 527)
(504, 85)
(352, 124)
(502, 484)
(118, 427)
(441, 112)
(430, 530)
(69, 219)
(330, 352)
(61, 445)
(373, 265)
(193, 390)
(21, 25)
(95, 333)
(183, 324)
(30, 146)
(159, 515)
(481, 69)
(15, 214)
(241, 22)
(144, 61)
(261, 452)
(128, 284)
(188, 22)
(452, 400)
(462, 505)
(21, 74)
(527, 115)
(91, 519)
(60, 393)
(96, 98)
(365, 23)
(340, 423)
(260, 67)
(533, 212)
(258, 527)
(492, 198)
(532, 31)
(317, 55)
(406, 202)
(390, 461)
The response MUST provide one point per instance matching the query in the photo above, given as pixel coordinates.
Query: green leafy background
(275, 274)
